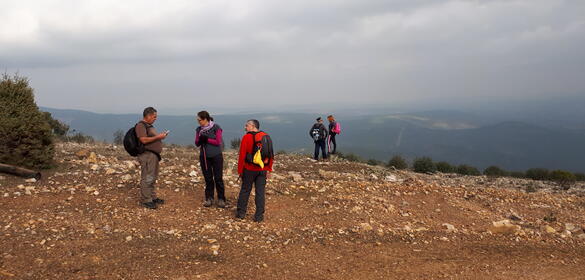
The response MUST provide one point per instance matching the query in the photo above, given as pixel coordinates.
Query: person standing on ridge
(254, 162)
(334, 129)
(208, 136)
(150, 158)
(318, 133)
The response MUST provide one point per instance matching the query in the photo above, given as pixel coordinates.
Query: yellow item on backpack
(258, 159)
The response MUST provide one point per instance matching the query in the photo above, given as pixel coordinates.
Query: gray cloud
(85, 54)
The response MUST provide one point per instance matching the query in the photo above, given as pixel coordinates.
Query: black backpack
(264, 145)
(318, 132)
(131, 142)
(315, 134)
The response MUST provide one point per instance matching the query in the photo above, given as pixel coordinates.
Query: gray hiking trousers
(148, 175)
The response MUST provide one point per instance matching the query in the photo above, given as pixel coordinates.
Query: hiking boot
(149, 205)
(221, 203)
(158, 201)
(239, 216)
(259, 219)
(208, 202)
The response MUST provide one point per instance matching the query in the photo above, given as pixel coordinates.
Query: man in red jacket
(251, 173)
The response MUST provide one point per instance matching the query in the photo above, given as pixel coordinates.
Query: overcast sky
(115, 56)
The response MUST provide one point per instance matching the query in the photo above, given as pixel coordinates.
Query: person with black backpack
(254, 162)
(149, 148)
(208, 137)
(318, 133)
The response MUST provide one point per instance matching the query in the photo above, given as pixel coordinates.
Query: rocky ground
(324, 220)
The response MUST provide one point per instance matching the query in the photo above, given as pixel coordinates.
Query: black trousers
(212, 169)
(258, 178)
(332, 136)
(320, 144)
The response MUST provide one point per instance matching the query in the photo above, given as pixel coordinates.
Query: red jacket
(246, 147)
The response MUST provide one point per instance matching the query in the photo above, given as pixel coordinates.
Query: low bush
(398, 162)
(445, 167)
(235, 143)
(424, 165)
(537, 174)
(465, 169)
(564, 178)
(494, 171)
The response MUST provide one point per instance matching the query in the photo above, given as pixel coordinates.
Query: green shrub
(58, 128)
(445, 167)
(424, 165)
(80, 138)
(517, 174)
(579, 176)
(26, 138)
(564, 178)
(494, 171)
(398, 162)
(374, 162)
(465, 169)
(235, 143)
(537, 174)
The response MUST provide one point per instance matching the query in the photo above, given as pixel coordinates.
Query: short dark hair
(148, 111)
(204, 115)
(256, 123)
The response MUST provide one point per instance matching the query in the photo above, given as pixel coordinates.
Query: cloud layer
(84, 54)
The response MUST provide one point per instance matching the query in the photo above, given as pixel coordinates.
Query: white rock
(209, 226)
(215, 249)
(128, 238)
(571, 227)
(297, 177)
(390, 178)
(193, 173)
(449, 227)
(31, 180)
(28, 190)
(549, 229)
(504, 227)
(129, 164)
(366, 227)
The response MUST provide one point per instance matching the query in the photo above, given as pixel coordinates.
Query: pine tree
(26, 138)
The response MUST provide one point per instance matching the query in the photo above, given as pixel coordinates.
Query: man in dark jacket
(318, 133)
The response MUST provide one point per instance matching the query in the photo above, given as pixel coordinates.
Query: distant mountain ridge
(455, 137)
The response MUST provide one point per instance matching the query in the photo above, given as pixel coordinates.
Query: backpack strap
(146, 126)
